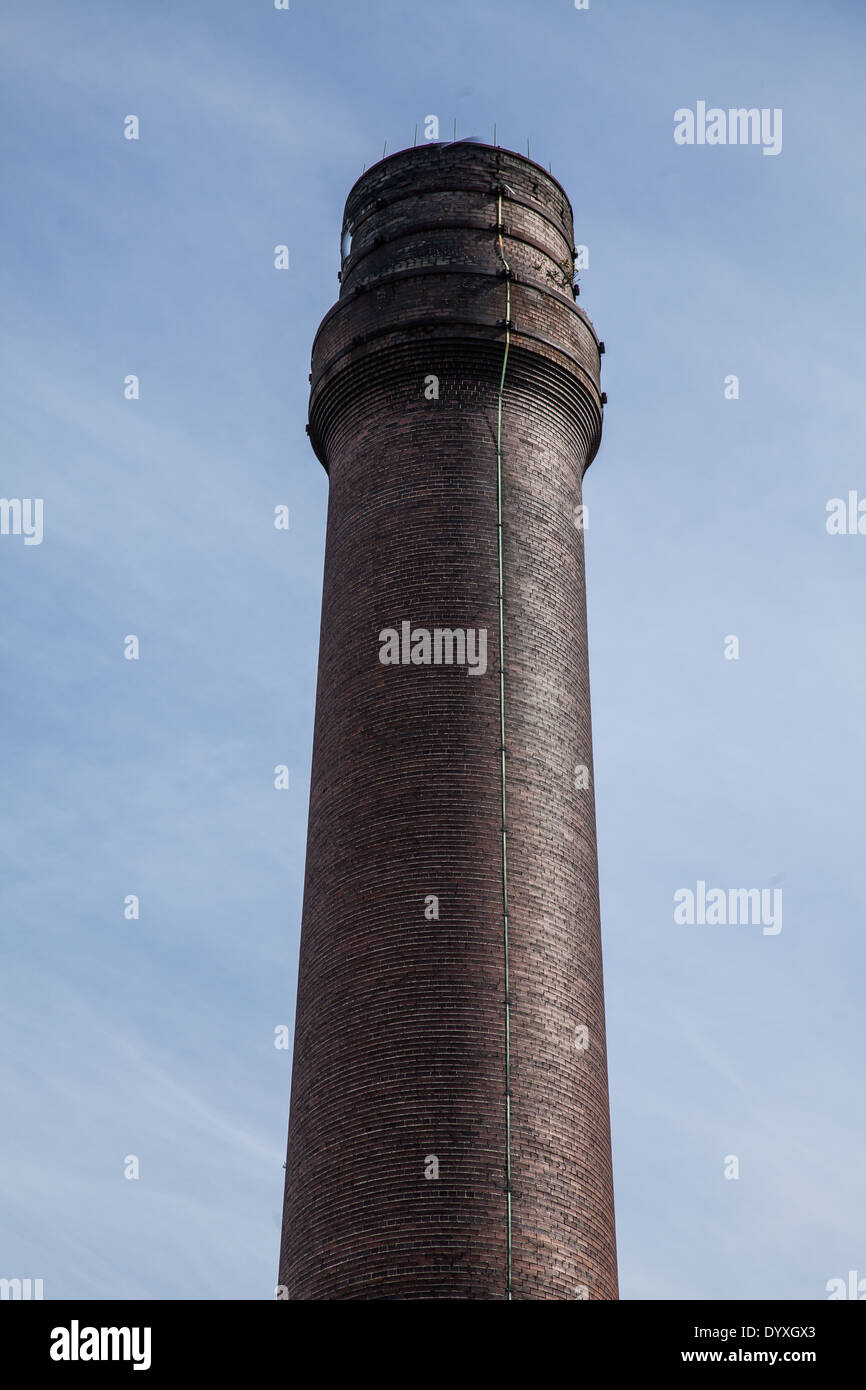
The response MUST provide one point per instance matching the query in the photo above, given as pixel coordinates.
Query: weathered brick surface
(400, 1033)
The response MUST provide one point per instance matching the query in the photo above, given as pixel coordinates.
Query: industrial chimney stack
(449, 1132)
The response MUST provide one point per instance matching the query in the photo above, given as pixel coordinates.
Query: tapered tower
(449, 1131)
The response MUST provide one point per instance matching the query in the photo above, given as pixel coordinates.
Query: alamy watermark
(854, 1287)
(443, 646)
(77, 1343)
(717, 907)
(22, 516)
(21, 1289)
(738, 125)
(846, 518)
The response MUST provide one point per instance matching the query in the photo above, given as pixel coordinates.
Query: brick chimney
(449, 1132)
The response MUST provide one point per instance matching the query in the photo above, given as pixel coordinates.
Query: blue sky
(707, 518)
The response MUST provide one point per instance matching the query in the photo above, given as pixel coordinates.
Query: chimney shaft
(449, 1134)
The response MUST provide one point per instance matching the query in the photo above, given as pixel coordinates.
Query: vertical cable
(502, 745)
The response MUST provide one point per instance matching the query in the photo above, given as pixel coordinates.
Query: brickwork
(400, 1032)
